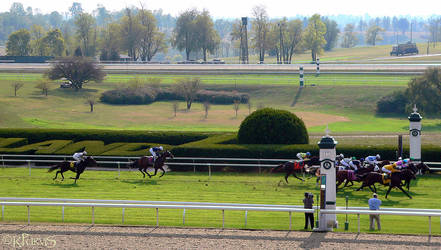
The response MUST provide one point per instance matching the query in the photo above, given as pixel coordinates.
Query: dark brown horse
(395, 181)
(147, 161)
(78, 168)
(416, 169)
(293, 167)
(347, 176)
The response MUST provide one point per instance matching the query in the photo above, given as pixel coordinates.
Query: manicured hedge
(45, 147)
(107, 136)
(12, 142)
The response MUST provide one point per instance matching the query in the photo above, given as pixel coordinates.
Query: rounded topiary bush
(272, 126)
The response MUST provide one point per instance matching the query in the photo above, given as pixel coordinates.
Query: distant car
(66, 85)
(218, 61)
(404, 49)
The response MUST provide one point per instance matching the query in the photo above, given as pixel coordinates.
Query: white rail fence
(122, 162)
(28, 202)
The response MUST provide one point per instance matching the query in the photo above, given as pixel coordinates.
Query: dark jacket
(308, 202)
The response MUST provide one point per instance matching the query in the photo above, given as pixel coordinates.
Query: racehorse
(293, 167)
(395, 181)
(147, 161)
(72, 166)
(420, 167)
(348, 176)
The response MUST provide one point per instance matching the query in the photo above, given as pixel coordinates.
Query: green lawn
(198, 187)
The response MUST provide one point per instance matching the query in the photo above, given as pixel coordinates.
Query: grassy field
(328, 99)
(198, 187)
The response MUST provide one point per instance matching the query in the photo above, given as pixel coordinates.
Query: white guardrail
(28, 202)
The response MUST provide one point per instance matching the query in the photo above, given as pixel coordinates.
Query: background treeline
(145, 35)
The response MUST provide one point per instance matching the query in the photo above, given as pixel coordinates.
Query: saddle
(72, 165)
(298, 165)
(150, 160)
(384, 179)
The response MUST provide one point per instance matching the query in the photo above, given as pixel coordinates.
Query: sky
(239, 8)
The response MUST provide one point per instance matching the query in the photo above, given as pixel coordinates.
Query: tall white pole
(415, 135)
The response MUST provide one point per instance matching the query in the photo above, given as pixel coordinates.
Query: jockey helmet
(84, 152)
(354, 158)
(160, 147)
(341, 156)
(378, 157)
(405, 161)
(308, 154)
(361, 159)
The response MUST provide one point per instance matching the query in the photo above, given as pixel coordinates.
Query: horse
(74, 167)
(147, 161)
(348, 176)
(418, 168)
(293, 167)
(395, 181)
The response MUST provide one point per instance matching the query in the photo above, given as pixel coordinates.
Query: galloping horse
(77, 168)
(395, 180)
(293, 167)
(147, 161)
(420, 167)
(348, 176)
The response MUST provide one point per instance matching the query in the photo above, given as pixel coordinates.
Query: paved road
(110, 237)
(233, 68)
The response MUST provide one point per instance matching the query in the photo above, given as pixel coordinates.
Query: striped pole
(301, 76)
(318, 67)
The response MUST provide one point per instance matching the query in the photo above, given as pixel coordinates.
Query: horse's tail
(275, 169)
(53, 168)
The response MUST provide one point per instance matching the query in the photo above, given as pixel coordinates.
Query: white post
(290, 221)
(318, 67)
(430, 225)
(3, 212)
(29, 215)
(123, 212)
(183, 217)
(246, 216)
(93, 215)
(358, 215)
(415, 135)
(157, 217)
(327, 171)
(302, 82)
(119, 170)
(62, 213)
(3, 162)
(209, 170)
(223, 219)
(29, 165)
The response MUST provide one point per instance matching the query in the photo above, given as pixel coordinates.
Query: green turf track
(198, 187)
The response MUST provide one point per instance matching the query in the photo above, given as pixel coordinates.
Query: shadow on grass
(62, 185)
(141, 182)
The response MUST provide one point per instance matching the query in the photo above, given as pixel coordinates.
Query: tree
(175, 106)
(206, 105)
(18, 43)
(260, 28)
(314, 38)
(425, 91)
(152, 40)
(130, 31)
(110, 42)
(44, 86)
(38, 47)
(16, 86)
(331, 35)
(75, 9)
(286, 39)
(349, 37)
(184, 34)
(373, 35)
(77, 70)
(207, 38)
(85, 28)
(188, 89)
(54, 43)
(236, 106)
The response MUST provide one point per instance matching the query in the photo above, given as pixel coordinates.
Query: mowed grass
(346, 102)
(250, 188)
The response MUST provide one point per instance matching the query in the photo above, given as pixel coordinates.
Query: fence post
(3, 212)
(358, 215)
(122, 219)
(93, 215)
(157, 217)
(223, 219)
(29, 165)
(290, 221)
(246, 215)
(194, 167)
(119, 170)
(430, 226)
(3, 162)
(209, 170)
(183, 217)
(29, 215)
(62, 213)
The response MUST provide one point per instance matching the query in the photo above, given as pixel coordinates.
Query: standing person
(374, 204)
(308, 201)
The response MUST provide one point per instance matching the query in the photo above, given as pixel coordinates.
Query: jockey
(392, 168)
(373, 161)
(303, 156)
(154, 151)
(353, 163)
(79, 157)
(402, 163)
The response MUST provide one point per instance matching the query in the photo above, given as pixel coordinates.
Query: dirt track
(107, 237)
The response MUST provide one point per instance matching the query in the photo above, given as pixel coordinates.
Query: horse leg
(404, 191)
(62, 175)
(408, 184)
(140, 170)
(163, 172)
(56, 174)
(286, 177)
(77, 177)
(294, 174)
(388, 191)
(362, 186)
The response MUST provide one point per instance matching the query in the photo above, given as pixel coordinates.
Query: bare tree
(249, 106)
(206, 108)
(175, 107)
(236, 104)
(188, 89)
(91, 100)
(44, 86)
(17, 86)
(260, 27)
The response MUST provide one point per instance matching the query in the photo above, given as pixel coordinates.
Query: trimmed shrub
(272, 126)
(130, 95)
(45, 147)
(92, 147)
(12, 142)
(221, 97)
(394, 103)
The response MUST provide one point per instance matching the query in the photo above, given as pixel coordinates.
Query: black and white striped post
(301, 76)
(318, 67)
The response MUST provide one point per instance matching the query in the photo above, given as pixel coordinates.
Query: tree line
(143, 34)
